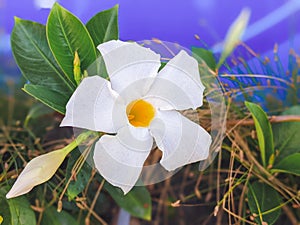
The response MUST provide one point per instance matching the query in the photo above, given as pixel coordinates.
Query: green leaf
(52, 217)
(286, 135)
(16, 211)
(98, 68)
(66, 34)
(290, 164)
(137, 202)
(234, 34)
(33, 56)
(4, 212)
(264, 132)
(205, 55)
(51, 98)
(21, 212)
(104, 26)
(77, 186)
(264, 203)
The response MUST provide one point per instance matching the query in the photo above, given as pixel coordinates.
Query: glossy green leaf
(4, 211)
(98, 68)
(234, 34)
(33, 56)
(16, 211)
(287, 135)
(289, 164)
(137, 202)
(206, 56)
(103, 26)
(21, 212)
(264, 132)
(77, 185)
(52, 217)
(51, 98)
(66, 34)
(264, 203)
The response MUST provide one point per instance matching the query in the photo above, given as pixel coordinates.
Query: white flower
(138, 105)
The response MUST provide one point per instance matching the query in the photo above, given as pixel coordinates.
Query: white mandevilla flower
(139, 106)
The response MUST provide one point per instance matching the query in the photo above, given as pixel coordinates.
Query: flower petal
(37, 171)
(93, 106)
(119, 159)
(178, 85)
(127, 63)
(181, 140)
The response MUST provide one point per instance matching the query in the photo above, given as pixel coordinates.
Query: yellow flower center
(140, 113)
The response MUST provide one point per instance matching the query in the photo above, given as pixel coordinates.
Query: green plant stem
(81, 138)
(238, 182)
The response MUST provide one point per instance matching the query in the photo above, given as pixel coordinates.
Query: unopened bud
(76, 69)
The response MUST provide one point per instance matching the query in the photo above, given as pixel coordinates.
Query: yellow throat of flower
(140, 113)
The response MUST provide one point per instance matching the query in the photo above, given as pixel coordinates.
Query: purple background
(174, 21)
(272, 21)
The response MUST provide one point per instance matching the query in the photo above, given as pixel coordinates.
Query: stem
(91, 209)
(81, 138)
